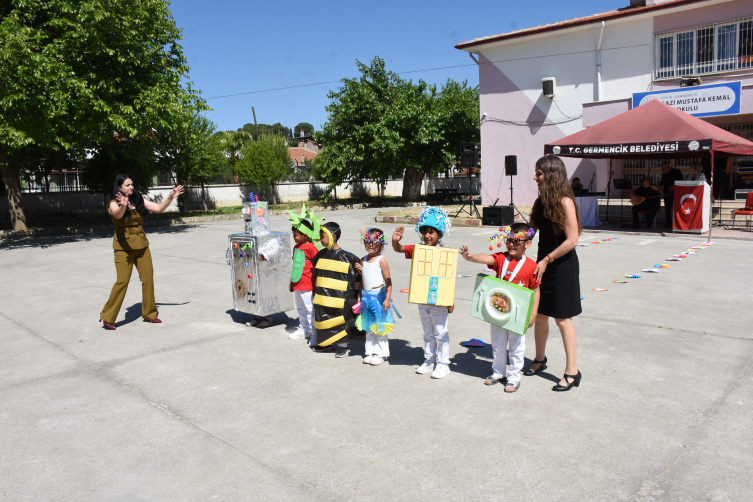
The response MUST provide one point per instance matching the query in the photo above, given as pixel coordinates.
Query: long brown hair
(551, 193)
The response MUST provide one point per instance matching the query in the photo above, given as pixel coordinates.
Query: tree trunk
(412, 184)
(203, 196)
(13, 188)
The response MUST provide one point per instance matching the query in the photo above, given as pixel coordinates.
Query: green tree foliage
(132, 156)
(72, 73)
(274, 129)
(380, 125)
(36, 164)
(307, 129)
(264, 163)
(195, 153)
(232, 143)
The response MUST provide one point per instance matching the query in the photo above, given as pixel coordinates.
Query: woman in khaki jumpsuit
(127, 210)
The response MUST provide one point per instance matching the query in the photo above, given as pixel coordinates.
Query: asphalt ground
(202, 407)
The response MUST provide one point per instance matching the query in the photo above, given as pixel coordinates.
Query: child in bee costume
(336, 284)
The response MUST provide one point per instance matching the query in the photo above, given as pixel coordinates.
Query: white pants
(377, 344)
(436, 335)
(517, 343)
(305, 308)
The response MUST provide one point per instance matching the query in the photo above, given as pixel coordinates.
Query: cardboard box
(491, 295)
(433, 273)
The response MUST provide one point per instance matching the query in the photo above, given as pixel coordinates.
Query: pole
(255, 124)
(711, 216)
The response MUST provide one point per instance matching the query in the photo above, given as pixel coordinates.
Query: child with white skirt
(375, 313)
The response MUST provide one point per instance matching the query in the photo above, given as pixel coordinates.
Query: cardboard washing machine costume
(260, 287)
(334, 291)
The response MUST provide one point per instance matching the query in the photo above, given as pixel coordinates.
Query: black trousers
(669, 214)
(645, 206)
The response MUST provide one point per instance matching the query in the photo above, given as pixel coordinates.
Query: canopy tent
(649, 131)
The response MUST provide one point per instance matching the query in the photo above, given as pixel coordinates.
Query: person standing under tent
(667, 184)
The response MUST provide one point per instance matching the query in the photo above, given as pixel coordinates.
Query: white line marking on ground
(643, 243)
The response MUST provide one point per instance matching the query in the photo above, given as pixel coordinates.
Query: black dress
(560, 285)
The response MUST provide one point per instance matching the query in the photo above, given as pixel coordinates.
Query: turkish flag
(688, 207)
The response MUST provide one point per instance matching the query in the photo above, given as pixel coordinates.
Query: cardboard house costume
(433, 270)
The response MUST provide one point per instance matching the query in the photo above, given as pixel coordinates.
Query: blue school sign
(699, 101)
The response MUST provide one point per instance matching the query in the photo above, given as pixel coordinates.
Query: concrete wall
(68, 205)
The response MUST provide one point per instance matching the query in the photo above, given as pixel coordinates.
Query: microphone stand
(590, 185)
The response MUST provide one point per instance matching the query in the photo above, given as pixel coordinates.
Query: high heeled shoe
(570, 385)
(542, 365)
(107, 325)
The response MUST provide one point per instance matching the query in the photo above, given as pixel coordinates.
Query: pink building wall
(699, 16)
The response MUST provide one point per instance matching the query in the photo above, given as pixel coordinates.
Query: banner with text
(630, 148)
(699, 101)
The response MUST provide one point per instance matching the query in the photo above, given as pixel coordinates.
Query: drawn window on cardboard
(425, 259)
(446, 264)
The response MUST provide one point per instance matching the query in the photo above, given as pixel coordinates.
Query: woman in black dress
(555, 217)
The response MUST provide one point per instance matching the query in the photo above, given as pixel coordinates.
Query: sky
(236, 47)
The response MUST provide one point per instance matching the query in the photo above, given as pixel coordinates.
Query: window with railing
(705, 49)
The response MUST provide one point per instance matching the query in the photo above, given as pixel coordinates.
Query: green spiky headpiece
(316, 221)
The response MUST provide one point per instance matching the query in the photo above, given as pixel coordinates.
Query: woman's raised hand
(176, 191)
(122, 199)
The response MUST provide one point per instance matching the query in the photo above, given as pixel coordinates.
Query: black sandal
(570, 385)
(490, 380)
(542, 366)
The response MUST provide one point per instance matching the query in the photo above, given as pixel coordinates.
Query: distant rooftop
(579, 21)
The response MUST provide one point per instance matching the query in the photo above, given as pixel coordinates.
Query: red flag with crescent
(688, 207)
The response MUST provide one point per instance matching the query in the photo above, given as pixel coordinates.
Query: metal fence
(64, 181)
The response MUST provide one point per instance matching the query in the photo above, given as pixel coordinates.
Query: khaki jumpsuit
(131, 248)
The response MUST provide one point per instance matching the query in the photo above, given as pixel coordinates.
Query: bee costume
(334, 293)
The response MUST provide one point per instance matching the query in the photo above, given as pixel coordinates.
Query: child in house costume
(336, 280)
(376, 316)
(306, 236)
(433, 224)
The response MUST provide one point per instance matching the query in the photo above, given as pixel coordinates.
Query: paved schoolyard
(204, 408)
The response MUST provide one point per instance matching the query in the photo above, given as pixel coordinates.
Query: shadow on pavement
(475, 362)
(48, 241)
(401, 353)
(544, 374)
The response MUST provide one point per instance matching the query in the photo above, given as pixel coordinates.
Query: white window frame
(671, 44)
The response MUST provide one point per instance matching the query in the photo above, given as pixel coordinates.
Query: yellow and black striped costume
(336, 281)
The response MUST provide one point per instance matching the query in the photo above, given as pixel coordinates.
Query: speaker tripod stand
(515, 208)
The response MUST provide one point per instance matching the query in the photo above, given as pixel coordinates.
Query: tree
(232, 143)
(132, 156)
(74, 73)
(382, 126)
(277, 129)
(195, 153)
(264, 163)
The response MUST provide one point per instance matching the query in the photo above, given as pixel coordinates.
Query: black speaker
(468, 154)
(511, 165)
(498, 216)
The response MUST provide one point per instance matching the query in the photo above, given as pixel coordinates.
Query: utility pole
(255, 124)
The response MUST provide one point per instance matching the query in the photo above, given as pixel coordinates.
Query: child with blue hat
(432, 225)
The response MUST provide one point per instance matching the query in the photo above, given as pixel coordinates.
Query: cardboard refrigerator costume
(259, 287)
(334, 293)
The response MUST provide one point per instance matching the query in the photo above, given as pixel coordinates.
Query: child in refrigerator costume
(336, 282)
(375, 313)
(513, 267)
(433, 224)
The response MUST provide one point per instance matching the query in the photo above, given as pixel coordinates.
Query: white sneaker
(376, 360)
(440, 371)
(367, 359)
(426, 367)
(297, 334)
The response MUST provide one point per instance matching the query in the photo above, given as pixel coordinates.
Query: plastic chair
(647, 213)
(748, 211)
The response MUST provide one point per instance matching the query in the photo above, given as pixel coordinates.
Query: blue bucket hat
(436, 218)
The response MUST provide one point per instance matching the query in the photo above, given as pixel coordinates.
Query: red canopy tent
(650, 131)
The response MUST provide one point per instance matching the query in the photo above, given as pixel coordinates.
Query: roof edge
(596, 18)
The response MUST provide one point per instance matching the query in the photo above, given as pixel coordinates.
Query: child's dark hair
(307, 224)
(521, 227)
(334, 229)
(425, 228)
